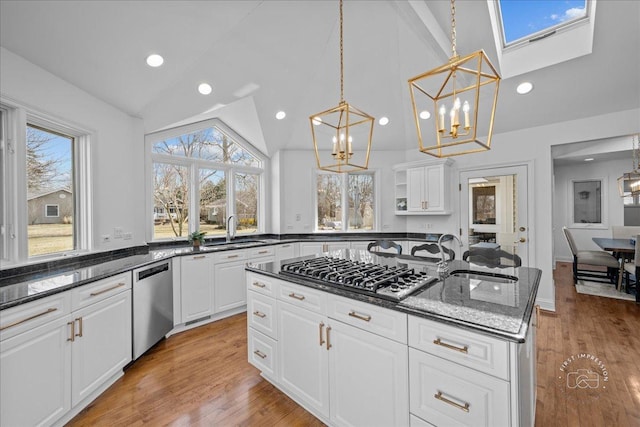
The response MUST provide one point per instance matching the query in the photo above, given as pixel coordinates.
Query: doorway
(494, 206)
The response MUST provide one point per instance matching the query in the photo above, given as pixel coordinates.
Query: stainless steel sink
(484, 276)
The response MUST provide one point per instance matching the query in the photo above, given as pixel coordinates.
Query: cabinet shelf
(422, 188)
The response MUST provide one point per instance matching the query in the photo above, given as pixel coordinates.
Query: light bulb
(465, 106)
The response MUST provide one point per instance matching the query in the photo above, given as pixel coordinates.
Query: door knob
(522, 240)
(522, 229)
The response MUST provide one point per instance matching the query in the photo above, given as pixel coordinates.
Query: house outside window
(346, 202)
(202, 174)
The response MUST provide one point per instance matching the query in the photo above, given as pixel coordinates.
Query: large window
(201, 175)
(43, 209)
(355, 191)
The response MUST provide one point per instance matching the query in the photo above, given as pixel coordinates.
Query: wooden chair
(495, 258)
(433, 248)
(384, 244)
(593, 259)
(633, 267)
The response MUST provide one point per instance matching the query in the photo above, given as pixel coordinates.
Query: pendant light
(460, 97)
(629, 183)
(342, 135)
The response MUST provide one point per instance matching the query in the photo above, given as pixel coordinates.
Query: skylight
(530, 19)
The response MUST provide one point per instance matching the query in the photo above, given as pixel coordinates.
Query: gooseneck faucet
(231, 235)
(443, 267)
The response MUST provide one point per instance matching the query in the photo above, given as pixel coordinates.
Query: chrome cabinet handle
(298, 297)
(464, 349)
(441, 398)
(93, 294)
(26, 319)
(79, 320)
(73, 331)
(320, 327)
(328, 338)
(259, 285)
(259, 314)
(260, 354)
(364, 317)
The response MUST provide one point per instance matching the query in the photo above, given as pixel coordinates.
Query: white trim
(46, 211)
(604, 223)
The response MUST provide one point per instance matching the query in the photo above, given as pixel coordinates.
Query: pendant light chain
(453, 29)
(341, 59)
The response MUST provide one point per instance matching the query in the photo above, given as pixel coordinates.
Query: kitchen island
(458, 351)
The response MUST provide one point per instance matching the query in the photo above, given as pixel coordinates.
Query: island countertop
(498, 309)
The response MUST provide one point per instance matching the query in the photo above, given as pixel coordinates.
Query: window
(45, 156)
(484, 205)
(355, 191)
(202, 174)
(587, 202)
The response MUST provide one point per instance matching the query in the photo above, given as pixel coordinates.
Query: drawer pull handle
(259, 314)
(73, 331)
(328, 338)
(298, 297)
(18, 322)
(232, 256)
(285, 246)
(94, 294)
(464, 349)
(199, 257)
(260, 354)
(79, 320)
(441, 398)
(263, 252)
(364, 317)
(259, 285)
(321, 327)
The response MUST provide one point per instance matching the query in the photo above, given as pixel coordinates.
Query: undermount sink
(484, 276)
(234, 244)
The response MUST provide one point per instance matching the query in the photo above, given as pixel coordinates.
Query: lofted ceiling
(265, 56)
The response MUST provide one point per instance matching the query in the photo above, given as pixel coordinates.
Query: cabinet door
(196, 281)
(311, 248)
(230, 290)
(102, 344)
(434, 188)
(365, 367)
(338, 246)
(303, 356)
(415, 189)
(35, 368)
(285, 251)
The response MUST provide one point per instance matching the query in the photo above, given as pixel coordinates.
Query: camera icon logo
(583, 378)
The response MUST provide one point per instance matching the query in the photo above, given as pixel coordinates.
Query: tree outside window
(354, 190)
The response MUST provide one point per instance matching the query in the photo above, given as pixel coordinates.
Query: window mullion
(345, 201)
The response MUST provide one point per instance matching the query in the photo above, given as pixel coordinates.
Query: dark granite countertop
(502, 310)
(28, 283)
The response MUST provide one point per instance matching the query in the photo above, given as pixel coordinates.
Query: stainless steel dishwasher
(152, 305)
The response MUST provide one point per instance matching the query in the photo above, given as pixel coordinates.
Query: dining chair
(582, 258)
(384, 244)
(633, 267)
(489, 257)
(434, 249)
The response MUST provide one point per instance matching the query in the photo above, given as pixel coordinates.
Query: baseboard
(184, 327)
(546, 304)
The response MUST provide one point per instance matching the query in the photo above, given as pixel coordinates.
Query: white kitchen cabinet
(35, 368)
(428, 189)
(312, 248)
(230, 290)
(286, 251)
(196, 281)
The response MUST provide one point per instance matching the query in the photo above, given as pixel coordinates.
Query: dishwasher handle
(153, 271)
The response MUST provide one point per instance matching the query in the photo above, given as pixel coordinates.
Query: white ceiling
(266, 56)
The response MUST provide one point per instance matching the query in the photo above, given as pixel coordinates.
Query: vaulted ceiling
(265, 56)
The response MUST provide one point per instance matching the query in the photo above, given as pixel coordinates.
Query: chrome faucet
(443, 267)
(231, 235)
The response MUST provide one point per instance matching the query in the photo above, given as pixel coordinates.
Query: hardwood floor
(201, 377)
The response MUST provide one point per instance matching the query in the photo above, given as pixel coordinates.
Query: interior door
(494, 208)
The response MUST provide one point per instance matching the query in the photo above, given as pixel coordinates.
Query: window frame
(194, 165)
(46, 211)
(345, 201)
(15, 219)
(603, 224)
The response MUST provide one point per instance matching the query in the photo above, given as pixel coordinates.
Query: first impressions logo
(583, 376)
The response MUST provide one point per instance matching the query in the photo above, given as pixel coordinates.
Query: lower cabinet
(196, 286)
(229, 290)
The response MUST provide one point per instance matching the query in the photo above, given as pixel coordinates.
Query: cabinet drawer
(486, 354)
(388, 323)
(418, 422)
(301, 296)
(263, 353)
(261, 252)
(21, 318)
(229, 256)
(261, 284)
(97, 291)
(261, 312)
(446, 394)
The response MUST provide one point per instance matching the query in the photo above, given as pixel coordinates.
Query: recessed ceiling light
(155, 60)
(524, 87)
(204, 88)
(590, 159)
(383, 121)
(424, 115)
(281, 115)
(317, 121)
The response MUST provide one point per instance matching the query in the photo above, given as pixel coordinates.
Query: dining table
(621, 248)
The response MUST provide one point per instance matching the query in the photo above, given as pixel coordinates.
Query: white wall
(117, 144)
(610, 170)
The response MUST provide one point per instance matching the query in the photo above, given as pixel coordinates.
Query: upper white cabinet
(423, 188)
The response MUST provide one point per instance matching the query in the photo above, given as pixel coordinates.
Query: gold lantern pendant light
(629, 183)
(340, 131)
(469, 83)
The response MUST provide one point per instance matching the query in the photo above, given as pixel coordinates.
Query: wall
(117, 144)
(614, 210)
